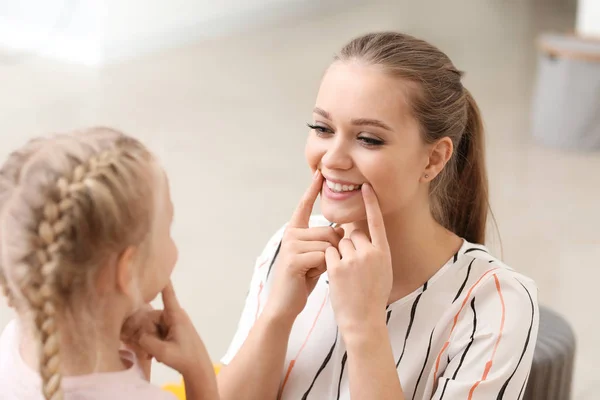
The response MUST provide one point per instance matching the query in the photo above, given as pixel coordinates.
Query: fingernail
(316, 175)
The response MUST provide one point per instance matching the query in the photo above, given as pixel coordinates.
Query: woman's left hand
(360, 274)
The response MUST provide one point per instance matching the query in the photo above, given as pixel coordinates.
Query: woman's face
(363, 133)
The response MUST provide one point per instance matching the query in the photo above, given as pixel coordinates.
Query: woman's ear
(125, 275)
(439, 154)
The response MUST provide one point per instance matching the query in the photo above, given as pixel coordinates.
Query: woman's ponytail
(467, 216)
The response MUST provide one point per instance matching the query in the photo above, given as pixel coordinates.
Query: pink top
(19, 382)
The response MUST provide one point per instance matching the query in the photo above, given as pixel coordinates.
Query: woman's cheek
(387, 185)
(315, 150)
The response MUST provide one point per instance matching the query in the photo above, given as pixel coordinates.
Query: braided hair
(70, 203)
(9, 180)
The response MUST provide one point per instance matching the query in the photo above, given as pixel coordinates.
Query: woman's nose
(337, 155)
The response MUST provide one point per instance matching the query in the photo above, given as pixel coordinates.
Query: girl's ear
(125, 274)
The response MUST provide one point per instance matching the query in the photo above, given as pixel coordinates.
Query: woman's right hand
(301, 259)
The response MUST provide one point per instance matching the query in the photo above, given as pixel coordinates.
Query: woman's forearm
(255, 372)
(371, 366)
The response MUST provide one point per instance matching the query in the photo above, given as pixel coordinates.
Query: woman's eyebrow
(358, 121)
(322, 113)
(370, 122)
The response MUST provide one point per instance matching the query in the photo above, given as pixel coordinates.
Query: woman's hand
(360, 274)
(301, 259)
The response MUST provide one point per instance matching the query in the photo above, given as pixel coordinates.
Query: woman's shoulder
(489, 274)
(486, 260)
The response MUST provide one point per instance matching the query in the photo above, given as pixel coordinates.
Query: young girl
(404, 301)
(85, 241)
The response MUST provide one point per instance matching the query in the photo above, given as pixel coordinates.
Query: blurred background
(221, 90)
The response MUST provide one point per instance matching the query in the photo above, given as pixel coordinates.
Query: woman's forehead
(352, 90)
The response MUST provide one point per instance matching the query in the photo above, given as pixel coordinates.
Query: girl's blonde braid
(9, 180)
(55, 240)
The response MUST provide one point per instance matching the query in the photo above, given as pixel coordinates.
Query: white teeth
(337, 187)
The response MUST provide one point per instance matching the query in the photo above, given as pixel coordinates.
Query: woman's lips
(332, 194)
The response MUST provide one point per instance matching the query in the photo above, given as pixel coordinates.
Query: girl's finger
(159, 349)
(138, 350)
(169, 298)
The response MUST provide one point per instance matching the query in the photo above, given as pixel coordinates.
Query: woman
(401, 300)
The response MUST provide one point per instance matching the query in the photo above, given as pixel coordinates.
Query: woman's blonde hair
(70, 204)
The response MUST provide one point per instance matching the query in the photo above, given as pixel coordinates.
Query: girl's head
(84, 225)
(392, 111)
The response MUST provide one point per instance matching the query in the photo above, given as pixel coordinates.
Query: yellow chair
(179, 389)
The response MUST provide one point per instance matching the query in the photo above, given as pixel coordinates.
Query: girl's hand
(178, 345)
(360, 274)
(301, 259)
(175, 342)
(146, 320)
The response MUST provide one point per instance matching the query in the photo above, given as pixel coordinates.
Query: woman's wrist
(363, 335)
(277, 319)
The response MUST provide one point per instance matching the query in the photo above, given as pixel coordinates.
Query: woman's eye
(366, 140)
(369, 141)
(320, 129)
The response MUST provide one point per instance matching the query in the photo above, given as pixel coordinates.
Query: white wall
(97, 32)
(69, 30)
(588, 18)
(137, 26)
(142, 18)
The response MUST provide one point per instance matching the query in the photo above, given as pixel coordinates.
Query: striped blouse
(468, 333)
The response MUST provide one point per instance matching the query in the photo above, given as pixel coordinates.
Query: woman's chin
(342, 215)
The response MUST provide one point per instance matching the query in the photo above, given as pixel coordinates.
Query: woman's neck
(419, 247)
(87, 345)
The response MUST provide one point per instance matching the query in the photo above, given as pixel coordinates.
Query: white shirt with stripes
(468, 333)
